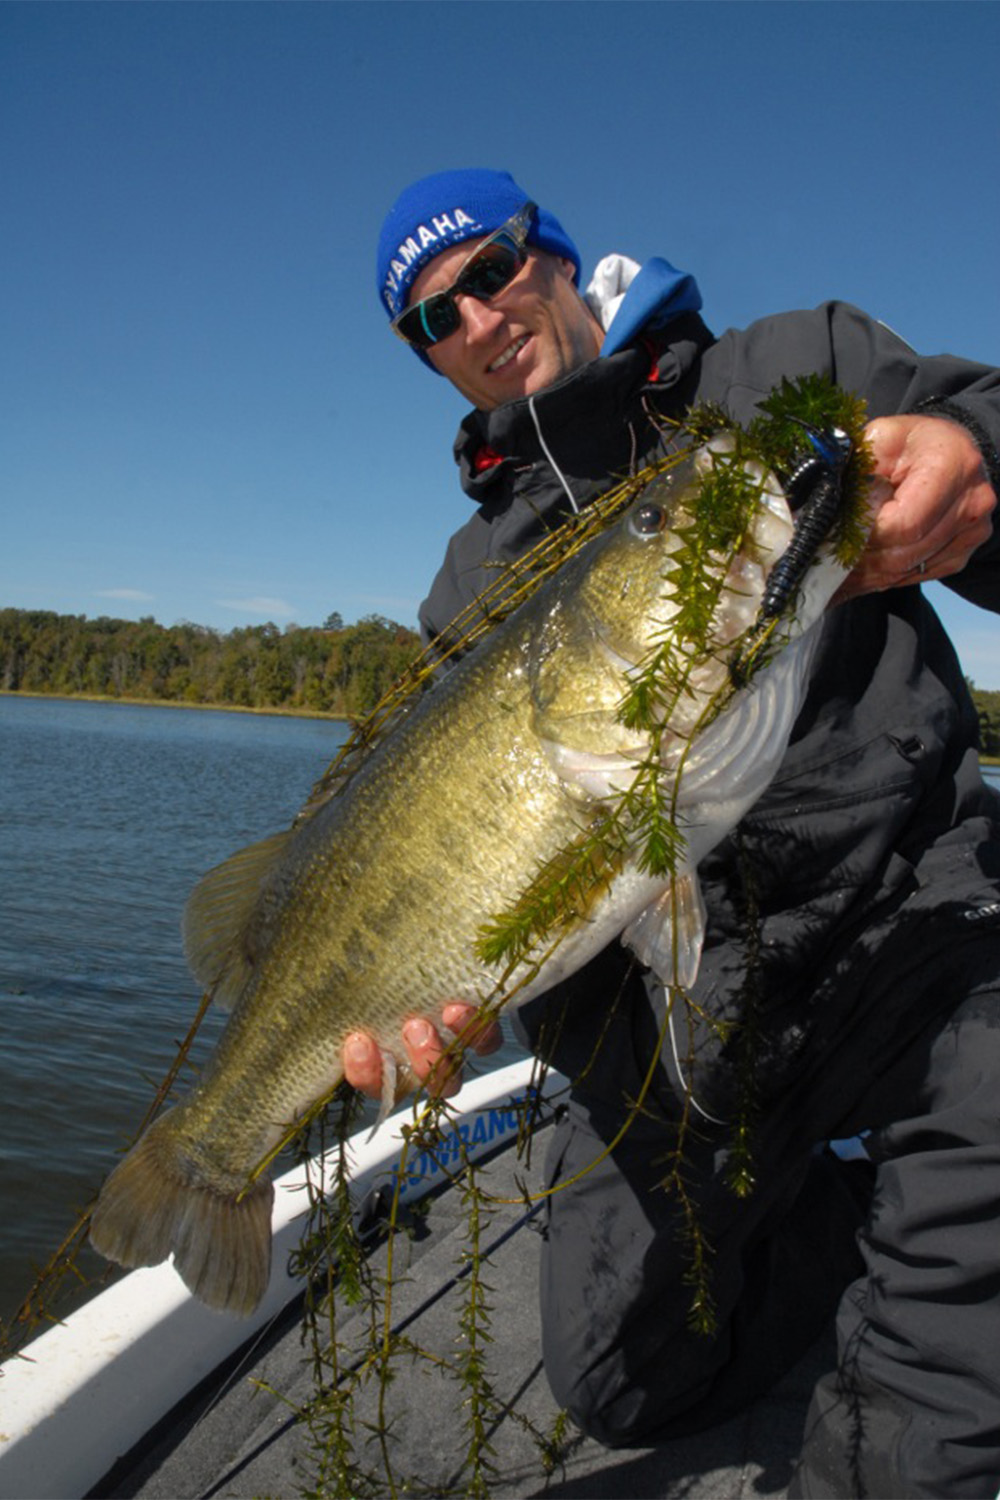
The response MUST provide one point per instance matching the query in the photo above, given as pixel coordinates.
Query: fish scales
(371, 908)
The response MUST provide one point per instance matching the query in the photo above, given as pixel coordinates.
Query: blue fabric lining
(658, 293)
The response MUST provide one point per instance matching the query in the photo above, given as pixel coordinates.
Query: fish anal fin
(669, 934)
(218, 918)
(153, 1204)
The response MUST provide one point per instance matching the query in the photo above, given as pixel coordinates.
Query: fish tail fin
(154, 1203)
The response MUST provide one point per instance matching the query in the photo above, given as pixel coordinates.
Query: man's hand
(425, 1051)
(935, 504)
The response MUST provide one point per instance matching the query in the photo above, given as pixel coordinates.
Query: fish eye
(648, 519)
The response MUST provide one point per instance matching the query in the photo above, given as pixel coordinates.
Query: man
(853, 931)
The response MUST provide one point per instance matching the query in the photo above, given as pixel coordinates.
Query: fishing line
(688, 1089)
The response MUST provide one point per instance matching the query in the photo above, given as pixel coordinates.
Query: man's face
(531, 334)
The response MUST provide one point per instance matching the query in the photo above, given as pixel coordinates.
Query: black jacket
(596, 425)
(878, 814)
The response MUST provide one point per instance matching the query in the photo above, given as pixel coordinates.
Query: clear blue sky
(204, 415)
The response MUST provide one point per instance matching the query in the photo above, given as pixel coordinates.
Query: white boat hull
(87, 1390)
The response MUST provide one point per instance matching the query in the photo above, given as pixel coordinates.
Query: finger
(946, 563)
(481, 1033)
(906, 445)
(894, 556)
(898, 548)
(934, 556)
(439, 1070)
(938, 481)
(870, 577)
(363, 1063)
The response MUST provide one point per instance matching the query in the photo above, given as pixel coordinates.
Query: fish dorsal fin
(668, 935)
(218, 918)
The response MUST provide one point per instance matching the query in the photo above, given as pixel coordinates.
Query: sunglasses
(486, 272)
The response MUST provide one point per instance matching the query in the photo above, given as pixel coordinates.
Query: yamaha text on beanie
(445, 209)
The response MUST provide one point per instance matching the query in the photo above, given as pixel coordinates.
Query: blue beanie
(445, 209)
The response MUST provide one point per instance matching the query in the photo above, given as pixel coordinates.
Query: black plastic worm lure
(814, 491)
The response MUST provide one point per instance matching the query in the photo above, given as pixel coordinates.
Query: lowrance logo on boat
(469, 1139)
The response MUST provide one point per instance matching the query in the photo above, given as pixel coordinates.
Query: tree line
(988, 709)
(333, 669)
(336, 669)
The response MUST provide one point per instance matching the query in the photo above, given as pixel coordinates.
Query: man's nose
(479, 319)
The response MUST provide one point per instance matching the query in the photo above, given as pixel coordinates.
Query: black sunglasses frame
(423, 315)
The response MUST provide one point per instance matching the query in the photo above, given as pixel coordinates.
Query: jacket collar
(585, 416)
(630, 300)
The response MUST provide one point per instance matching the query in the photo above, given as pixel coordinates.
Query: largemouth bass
(492, 843)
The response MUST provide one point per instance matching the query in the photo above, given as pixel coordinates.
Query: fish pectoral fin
(592, 776)
(669, 934)
(218, 918)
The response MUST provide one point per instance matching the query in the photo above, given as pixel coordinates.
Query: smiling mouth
(508, 354)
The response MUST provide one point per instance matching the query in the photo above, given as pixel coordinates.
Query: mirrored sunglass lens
(428, 321)
(440, 316)
(494, 266)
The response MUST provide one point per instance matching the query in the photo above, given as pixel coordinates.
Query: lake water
(109, 813)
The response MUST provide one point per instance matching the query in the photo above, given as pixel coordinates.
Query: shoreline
(215, 708)
(239, 708)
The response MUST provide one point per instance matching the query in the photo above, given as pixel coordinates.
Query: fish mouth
(506, 355)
